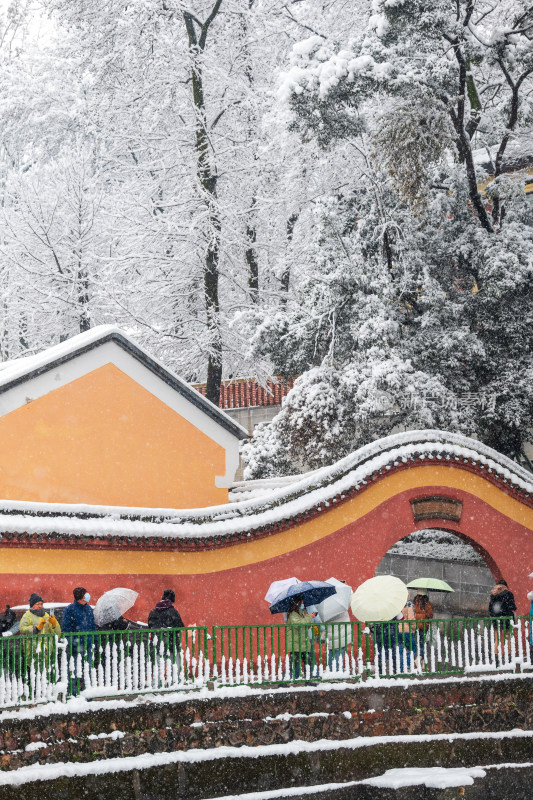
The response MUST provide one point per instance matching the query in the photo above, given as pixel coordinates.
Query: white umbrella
(337, 603)
(112, 604)
(379, 599)
(277, 587)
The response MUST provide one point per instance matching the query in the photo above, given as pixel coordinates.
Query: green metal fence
(277, 653)
(43, 668)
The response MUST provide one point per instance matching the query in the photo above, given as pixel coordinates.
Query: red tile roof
(248, 393)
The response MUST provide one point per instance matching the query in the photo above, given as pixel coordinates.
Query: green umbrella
(431, 584)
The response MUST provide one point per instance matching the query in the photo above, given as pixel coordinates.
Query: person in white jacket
(339, 635)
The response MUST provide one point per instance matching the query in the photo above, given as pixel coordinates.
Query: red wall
(352, 553)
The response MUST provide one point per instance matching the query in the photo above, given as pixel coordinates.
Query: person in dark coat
(7, 620)
(78, 617)
(119, 624)
(502, 606)
(385, 636)
(164, 615)
(501, 603)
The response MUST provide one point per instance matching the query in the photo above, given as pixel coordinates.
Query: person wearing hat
(164, 615)
(37, 621)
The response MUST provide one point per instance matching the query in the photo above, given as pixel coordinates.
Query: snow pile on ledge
(436, 544)
(52, 771)
(430, 777)
(313, 491)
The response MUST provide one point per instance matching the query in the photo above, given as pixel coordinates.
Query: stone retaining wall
(269, 718)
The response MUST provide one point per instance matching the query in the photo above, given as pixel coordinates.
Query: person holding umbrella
(110, 608)
(423, 611)
(298, 641)
(423, 608)
(334, 611)
(380, 601)
(294, 600)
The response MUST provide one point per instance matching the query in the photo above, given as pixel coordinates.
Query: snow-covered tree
(419, 314)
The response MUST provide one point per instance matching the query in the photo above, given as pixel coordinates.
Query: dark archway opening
(443, 553)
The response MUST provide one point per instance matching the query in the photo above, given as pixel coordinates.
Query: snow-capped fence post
(519, 634)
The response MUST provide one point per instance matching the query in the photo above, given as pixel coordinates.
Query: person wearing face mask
(78, 617)
(36, 622)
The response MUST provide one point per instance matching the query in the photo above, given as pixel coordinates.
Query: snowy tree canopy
(415, 306)
(327, 191)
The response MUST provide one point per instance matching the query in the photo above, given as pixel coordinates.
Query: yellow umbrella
(379, 599)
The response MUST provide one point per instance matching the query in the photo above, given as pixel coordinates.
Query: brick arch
(354, 550)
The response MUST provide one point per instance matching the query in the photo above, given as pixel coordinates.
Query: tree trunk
(207, 177)
(286, 274)
(83, 299)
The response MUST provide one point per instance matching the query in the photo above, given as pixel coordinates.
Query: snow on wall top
(276, 507)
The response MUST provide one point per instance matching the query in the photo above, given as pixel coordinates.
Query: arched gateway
(338, 521)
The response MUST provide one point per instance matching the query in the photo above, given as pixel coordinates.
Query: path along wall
(221, 565)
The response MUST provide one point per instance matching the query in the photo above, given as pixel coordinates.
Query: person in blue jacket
(78, 617)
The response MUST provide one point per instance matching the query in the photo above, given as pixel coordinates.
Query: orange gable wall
(105, 440)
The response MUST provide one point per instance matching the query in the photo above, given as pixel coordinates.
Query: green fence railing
(277, 653)
(43, 668)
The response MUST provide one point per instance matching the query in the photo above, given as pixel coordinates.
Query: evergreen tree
(420, 313)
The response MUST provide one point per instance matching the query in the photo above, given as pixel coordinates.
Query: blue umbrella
(312, 592)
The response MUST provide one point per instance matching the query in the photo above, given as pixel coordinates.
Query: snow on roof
(19, 370)
(306, 495)
(518, 154)
(20, 367)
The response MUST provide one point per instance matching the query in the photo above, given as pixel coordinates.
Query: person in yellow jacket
(37, 621)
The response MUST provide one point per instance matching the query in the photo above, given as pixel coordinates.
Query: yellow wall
(103, 439)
